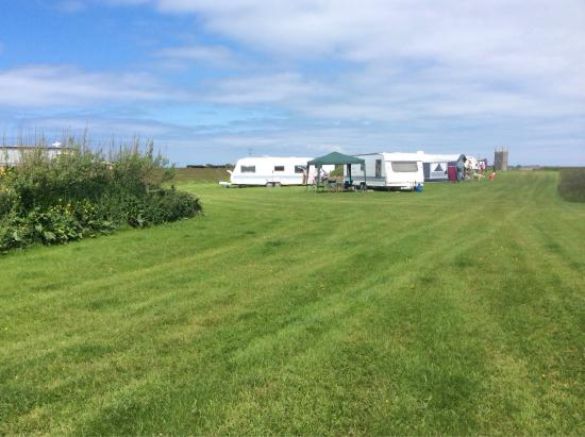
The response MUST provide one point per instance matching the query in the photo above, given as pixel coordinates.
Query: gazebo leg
(349, 174)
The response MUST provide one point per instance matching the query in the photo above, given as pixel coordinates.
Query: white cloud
(473, 57)
(374, 28)
(408, 73)
(543, 41)
(499, 55)
(284, 88)
(38, 86)
(98, 125)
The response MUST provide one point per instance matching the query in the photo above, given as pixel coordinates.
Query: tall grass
(572, 184)
(200, 175)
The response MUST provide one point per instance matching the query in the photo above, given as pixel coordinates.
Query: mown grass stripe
(458, 310)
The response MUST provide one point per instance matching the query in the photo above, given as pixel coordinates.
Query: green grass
(459, 310)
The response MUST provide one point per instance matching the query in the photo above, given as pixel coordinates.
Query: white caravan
(392, 171)
(273, 171)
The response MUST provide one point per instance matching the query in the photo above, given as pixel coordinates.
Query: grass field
(457, 310)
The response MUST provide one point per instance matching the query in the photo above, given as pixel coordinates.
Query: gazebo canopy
(335, 158)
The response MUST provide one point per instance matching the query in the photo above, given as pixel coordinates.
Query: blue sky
(212, 80)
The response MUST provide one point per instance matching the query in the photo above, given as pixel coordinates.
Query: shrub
(170, 205)
(7, 202)
(572, 184)
(81, 194)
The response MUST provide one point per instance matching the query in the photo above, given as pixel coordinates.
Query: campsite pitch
(457, 310)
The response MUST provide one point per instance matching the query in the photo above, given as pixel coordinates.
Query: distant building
(10, 156)
(501, 159)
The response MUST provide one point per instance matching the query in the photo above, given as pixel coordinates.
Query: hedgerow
(82, 194)
(572, 184)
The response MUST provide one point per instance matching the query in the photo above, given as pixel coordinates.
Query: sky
(210, 81)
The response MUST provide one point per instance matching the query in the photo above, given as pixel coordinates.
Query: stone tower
(501, 159)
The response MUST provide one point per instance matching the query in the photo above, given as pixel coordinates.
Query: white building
(10, 156)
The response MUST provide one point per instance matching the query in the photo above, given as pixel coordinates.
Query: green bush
(55, 225)
(572, 184)
(7, 202)
(81, 194)
(170, 205)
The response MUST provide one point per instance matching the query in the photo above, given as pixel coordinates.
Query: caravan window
(248, 169)
(404, 166)
(279, 168)
(299, 168)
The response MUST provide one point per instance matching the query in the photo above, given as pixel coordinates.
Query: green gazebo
(335, 158)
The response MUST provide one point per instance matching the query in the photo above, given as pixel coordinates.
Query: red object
(452, 173)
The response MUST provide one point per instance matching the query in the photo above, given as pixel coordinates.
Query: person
(461, 168)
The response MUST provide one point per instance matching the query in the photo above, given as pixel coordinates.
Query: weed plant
(82, 194)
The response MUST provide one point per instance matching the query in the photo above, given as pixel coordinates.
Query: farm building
(10, 156)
